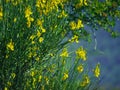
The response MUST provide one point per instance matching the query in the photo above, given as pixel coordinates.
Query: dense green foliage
(35, 36)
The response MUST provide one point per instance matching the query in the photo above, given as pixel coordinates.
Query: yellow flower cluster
(39, 32)
(64, 53)
(81, 3)
(1, 13)
(86, 81)
(74, 39)
(28, 12)
(97, 70)
(14, 2)
(80, 68)
(73, 25)
(32, 37)
(81, 53)
(10, 45)
(62, 14)
(40, 25)
(46, 6)
(36, 38)
(40, 22)
(65, 76)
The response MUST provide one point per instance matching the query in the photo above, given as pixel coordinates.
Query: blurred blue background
(108, 54)
(109, 59)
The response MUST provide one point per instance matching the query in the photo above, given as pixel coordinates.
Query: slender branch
(95, 40)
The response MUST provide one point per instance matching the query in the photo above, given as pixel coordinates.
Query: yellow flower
(33, 42)
(43, 30)
(74, 39)
(5, 88)
(37, 58)
(81, 3)
(85, 81)
(51, 54)
(43, 1)
(1, 12)
(73, 25)
(13, 75)
(85, 2)
(32, 73)
(41, 39)
(28, 12)
(80, 68)
(64, 53)
(39, 22)
(32, 37)
(65, 76)
(63, 14)
(1, 15)
(81, 53)
(15, 19)
(29, 20)
(79, 24)
(97, 70)
(38, 33)
(28, 24)
(40, 78)
(10, 45)
(37, 3)
(15, 3)
(34, 79)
